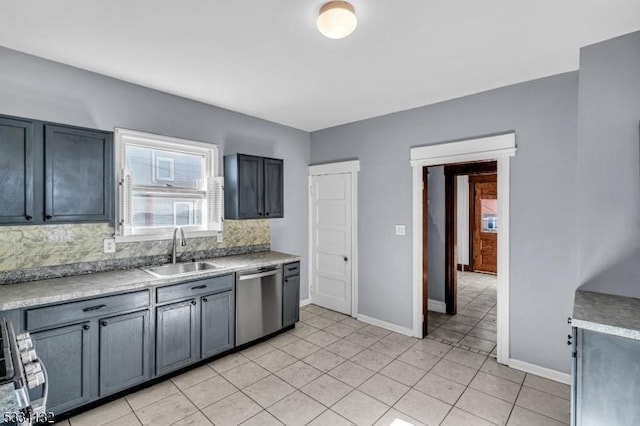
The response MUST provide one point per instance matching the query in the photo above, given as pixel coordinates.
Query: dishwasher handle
(260, 275)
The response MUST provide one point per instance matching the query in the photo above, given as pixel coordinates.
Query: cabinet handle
(48, 217)
(286, 280)
(259, 213)
(267, 214)
(93, 308)
(193, 302)
(104, 323)
(198, 287)
(28, 217)
(346, 259)
(205, 300)
(86, 327)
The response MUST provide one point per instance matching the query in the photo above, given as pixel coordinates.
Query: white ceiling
(266, 58)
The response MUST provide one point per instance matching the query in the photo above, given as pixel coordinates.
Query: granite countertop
(34, 293)
(610, 302)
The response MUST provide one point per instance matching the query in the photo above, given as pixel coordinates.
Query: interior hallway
(474, 327)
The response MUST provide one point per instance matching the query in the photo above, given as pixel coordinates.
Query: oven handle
(260, 275)
(40, 406)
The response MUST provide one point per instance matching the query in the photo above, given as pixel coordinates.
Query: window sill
(166, 237)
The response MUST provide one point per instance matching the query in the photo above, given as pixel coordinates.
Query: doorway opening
(498, 148)
(461, 218)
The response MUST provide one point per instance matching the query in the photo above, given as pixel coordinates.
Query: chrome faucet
(183, 242)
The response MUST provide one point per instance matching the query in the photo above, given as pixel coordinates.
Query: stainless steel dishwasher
(258, 303)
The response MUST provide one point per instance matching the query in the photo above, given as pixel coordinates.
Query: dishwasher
(258, 303)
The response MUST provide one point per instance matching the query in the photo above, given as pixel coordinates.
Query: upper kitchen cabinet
(52, 173)
(78, 166)
(253, 187)
(17, 145)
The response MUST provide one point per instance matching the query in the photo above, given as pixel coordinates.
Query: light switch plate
(109, 245)
(400, 230)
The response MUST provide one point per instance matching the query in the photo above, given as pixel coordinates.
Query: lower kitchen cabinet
(290, 300)
(216, 322)
(66, 353)
(290, 293)
(124, 351)
(176, 336)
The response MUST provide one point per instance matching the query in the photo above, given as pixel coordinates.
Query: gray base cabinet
(217, 330)
(176, 339)
(291, 294)
(124, 351)
(606, 380)
(66, 353)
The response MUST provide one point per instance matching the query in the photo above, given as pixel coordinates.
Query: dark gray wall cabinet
(290, 294)
(53, 173)
(253, 187)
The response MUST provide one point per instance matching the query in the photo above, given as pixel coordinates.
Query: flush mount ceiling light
(337, 19)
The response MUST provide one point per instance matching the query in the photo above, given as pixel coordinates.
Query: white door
(331, 243)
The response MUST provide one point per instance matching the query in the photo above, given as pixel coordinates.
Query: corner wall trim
(305, 302)
(437, 306)
(386, 325)
(547, 373)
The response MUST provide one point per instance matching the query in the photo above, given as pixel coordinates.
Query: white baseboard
(437, 306)
(547, 373)
(305, 302)
(386, 325)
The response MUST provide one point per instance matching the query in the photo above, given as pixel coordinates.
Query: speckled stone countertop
(610, 302)
(34, 293)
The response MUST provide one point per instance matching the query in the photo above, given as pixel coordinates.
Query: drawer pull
(104, 323)
(86, 327)
(292, 269)
(93, 308)
(205, 300)
(198, 287)
(193, 302)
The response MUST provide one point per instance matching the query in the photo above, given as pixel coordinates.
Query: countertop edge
(150, 282)
(607, 329)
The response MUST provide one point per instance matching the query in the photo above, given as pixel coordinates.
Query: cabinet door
(217, 323)
(290, 300)
(17, 161)
(273, 188)
(176, 334)
(124, 351)
(65, 353)
(78, 175)
(250, 187)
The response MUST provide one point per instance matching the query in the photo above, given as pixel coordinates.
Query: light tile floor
(474, 326)
(334, 370)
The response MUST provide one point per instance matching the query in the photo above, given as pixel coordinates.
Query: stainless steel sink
(179, 269)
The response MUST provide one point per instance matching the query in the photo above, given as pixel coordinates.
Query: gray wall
(436, 233)
(608, 154)
(544, 173)
(37, 88)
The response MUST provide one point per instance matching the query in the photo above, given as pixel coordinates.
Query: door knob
(346, 259)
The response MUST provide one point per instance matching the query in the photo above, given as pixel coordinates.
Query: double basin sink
(181, 269)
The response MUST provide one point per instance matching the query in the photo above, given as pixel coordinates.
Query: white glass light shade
(337, 19)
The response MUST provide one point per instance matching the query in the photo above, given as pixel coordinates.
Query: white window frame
(213, 186)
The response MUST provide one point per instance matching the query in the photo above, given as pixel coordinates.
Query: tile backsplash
(26, 247)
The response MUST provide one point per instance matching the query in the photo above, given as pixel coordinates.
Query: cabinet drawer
(86, 309)
(194, 288)
(291, 269)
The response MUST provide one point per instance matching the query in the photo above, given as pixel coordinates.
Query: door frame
(451, 172)
(500, 148)
(352, 167)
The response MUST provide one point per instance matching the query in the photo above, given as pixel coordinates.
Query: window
(166, 182)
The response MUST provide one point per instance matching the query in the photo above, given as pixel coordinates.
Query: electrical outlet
(109, 245)
(400, 230)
